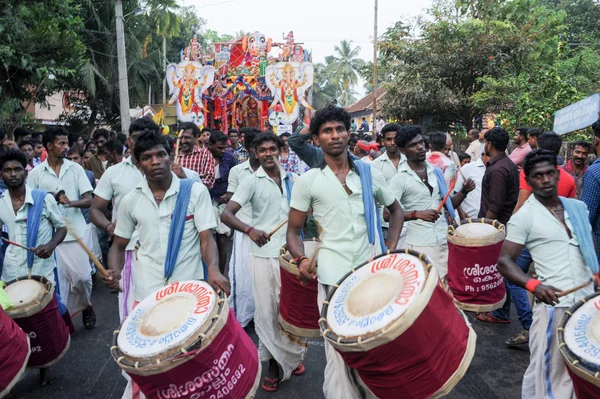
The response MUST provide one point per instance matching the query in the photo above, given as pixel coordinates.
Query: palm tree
(325, 87)
(345, 67)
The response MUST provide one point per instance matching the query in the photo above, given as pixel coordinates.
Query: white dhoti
(126, 284)
(547, 376)
(437, 254)
(241, 299)
(91, 240)
(287, 350)
(74, 276)
(341, 382)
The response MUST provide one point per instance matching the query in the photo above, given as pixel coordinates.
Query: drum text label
(203, 296)
(581, 334)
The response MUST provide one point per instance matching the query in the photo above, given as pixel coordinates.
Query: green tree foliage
(39, 51)
(345, 66)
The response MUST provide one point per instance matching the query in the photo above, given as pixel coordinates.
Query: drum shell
(302, 321)
(202, 365)
(42, 322)
(440, 356)
(14, 353)
(473, 276)
(586, 381)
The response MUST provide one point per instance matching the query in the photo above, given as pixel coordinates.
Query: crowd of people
(118, 193)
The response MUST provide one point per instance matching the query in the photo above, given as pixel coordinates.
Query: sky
(319, 24)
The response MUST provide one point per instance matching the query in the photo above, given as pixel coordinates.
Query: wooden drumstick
(456, 161)
(439, 209)
(177, 145)
(313, 260)
(572, 290)
(90, 254)
(17, 245)
(277, 228)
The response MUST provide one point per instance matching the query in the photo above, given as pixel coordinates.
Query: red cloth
(227, 368)
(13, 350)
(473, 275)
(48, 334)
(566, 184)
(422, 359)
(298, 303)
(583, 389)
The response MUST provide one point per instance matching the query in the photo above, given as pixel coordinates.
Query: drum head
(582, 333)
(25, 294)
(375, 295)
(172, 317)
(475, 230)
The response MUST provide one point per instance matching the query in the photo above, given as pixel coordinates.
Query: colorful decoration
(288, 81)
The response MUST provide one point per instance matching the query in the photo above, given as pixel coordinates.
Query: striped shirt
(200, 161)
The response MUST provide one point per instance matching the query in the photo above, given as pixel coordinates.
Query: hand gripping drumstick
(277, 228)
(572, 290)
(17, 245)
(439, 209)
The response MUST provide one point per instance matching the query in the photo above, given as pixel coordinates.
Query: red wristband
(531, 284)
(249, 229)
(413, 215)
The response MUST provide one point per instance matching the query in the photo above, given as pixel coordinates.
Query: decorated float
(250, 81)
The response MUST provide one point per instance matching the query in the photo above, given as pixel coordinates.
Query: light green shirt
(237, 175)
(414, 195)
(558, 259)
(73, 180)
(345, 243)
(270, 207)
(138, 210)
(15, 260)
(385, 165)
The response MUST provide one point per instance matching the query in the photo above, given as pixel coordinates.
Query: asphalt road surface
(88, 370)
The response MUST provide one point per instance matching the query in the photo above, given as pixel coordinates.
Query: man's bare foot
(46, 377)
(271, 381)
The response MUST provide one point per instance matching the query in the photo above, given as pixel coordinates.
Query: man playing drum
(268, 192)
(557, 233)
(335, 192)
(420, 187)
(14, 207)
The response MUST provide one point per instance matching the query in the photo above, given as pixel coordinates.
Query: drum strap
(578, 215)
(441, 182)
(371, 215)
(177, 225)
(34, 216)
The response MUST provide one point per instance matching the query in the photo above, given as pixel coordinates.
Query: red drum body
(184, 342)
(14, 353)
(298, 309)
(36, 311)
(392, 321)
(473, 276)
(579, 343)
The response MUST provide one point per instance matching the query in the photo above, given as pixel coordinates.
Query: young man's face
(389, 144)
(580, 155)
(87, 156)
(333, 138)
(204, 138)
(155, 163)
(75, 157)
(13, 174)
(59, 147)
(235, 139)
(80, 141)
(285, 141)
(218, 149)
(533, 142)
(28, 150)
(268, 153)
(518, 139)
(101, 141)
(415, 149)
(37, 150)
(92, 148)
(543, 179)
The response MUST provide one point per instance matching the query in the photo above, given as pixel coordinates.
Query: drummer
(420, 187)
(268, 191)
(334, 191)
(146, 209)
(557, 233)
(15, 204)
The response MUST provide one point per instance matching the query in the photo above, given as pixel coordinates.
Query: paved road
(88, 370)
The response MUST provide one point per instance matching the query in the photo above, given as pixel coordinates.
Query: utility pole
(122, 65)
(375, 71)
(164, 59)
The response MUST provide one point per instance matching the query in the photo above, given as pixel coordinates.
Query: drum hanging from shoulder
(392, 321)
(36, 311)
(579, 343)
(473, 276)
(298, 309)
(183, 341)
(14, 353)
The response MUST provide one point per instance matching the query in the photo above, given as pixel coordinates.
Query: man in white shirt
(474, 149)
(473, 171)
(73, 191)
(149, 209)
(268, 192)
(334, 191)
(557, 233)
(15, 205)
(241, 299)
(420, 189)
